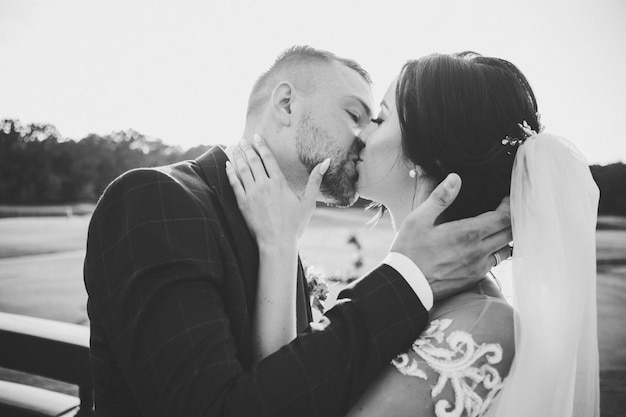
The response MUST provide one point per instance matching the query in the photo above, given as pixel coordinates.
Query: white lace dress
(457, 366)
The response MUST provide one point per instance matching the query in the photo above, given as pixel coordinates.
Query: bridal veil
(554, 203)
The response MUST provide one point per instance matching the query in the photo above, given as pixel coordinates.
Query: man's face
(329, 127)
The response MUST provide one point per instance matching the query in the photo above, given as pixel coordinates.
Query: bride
(475, 116)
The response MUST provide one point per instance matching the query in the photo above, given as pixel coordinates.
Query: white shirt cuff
(412, 275)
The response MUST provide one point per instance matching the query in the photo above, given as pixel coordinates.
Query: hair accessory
(512, 141)
(527, 132)
(541, 127)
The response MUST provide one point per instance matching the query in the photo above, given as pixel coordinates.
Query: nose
(359, 144)
(367, 132)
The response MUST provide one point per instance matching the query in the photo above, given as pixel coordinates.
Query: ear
(282, 100)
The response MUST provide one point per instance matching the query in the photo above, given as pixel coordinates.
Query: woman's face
(383, 170)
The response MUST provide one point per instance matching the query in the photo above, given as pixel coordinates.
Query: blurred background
(91, 89)
(182, 71)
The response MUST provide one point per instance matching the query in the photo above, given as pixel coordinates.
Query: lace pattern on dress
(456, 364)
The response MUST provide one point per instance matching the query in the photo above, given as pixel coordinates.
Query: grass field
(41, 274)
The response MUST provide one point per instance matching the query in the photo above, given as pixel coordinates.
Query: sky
(182, 71)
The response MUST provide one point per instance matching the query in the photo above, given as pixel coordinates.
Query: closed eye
(354, 116)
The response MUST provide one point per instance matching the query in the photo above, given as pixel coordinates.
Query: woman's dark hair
(454, 112)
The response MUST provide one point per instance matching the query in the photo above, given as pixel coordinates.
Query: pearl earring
(412, 173)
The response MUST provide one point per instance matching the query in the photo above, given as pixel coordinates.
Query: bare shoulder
(459, 362)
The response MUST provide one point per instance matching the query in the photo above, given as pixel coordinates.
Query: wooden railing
(50, 349)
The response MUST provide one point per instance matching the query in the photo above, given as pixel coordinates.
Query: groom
(171, 269)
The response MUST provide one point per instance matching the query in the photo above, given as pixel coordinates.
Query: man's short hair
(297, 65)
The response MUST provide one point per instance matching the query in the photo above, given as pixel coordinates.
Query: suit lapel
(212, 164)
(303, 305)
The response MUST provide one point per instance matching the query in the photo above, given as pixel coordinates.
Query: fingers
(315, 180)
(254, 161)
(267, 156)
(491, 222)
(503, 254)
(498, 219)
(497, 241)
(242, 168)
(439, 199)
(235, 183)
(505, 205)
(260, 159)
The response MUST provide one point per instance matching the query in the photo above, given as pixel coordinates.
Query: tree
(39, 166)
(611, 180)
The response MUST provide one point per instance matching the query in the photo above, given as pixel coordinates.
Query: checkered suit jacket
(171, 273)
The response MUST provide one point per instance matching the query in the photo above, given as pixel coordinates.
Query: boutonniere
(316, 284)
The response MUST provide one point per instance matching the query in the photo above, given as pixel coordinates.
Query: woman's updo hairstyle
(454, 112)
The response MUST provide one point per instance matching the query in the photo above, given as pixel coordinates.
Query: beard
(314, 145)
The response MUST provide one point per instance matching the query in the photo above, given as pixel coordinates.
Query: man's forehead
(354, 87)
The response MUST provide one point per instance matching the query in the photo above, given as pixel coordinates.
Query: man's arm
(157, 279)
